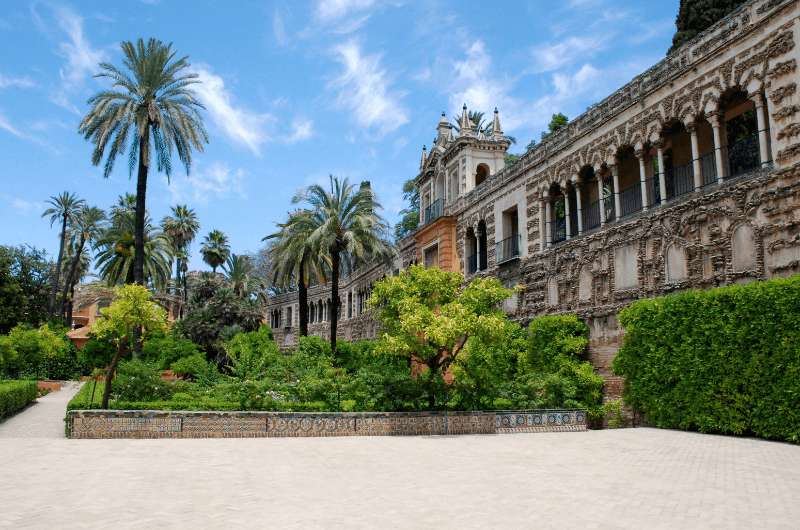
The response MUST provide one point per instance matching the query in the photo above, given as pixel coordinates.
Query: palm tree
(63, 208)
(117, 248)
(88, 225)
(293, 260)
(150, 106)
(181, 227)
(479, 124)
(240, 273)
(215, 249)
(348, 230)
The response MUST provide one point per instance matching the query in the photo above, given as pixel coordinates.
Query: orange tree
(428, 315)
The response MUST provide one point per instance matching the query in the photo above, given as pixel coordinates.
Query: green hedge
(725, 360)
(15, 395)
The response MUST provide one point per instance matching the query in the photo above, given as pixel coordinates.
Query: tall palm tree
(293, 261)
(63, 208)
(348, 230)
(240, 273)
(151, 106)
(181, 227)
(88, 226)
(117, 248)
(215, 249)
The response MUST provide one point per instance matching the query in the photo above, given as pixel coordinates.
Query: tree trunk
(70, 305)
(185, 292)
(57, 277)
(303, 298)
(71, 279)
(334, 297)
(141, 192)
(112, 368)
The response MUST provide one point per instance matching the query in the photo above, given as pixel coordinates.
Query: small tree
(429, 314)
(131, 309)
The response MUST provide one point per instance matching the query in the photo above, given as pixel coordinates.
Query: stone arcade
(686, 177)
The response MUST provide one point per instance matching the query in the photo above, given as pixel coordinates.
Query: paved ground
(632, 478)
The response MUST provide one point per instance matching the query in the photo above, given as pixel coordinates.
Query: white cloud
(330, 10)
(239, 124)
(570, 85)
(302, 129)
(364, 89)
(82, 59)
(26, 206)
(16, 82)
(7, 126)
(555, 56)
(216, 181)
(279, 29)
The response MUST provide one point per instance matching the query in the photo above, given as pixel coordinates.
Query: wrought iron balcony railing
(630, 199)
(434, 211)
(680, 180)
(508, 248)
(591, 216)
(743, 155)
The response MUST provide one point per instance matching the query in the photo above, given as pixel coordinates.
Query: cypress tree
(694, 16)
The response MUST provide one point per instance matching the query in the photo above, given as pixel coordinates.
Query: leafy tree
(428, 316)
(239, 272)
(131, 310)
(348, 230)
(294, 263)
(88, 225)
(63, 208)
(695, 16)
(215, 249)
(410, 215)
(151, 106)
(181, 228)
(25, 283)
(557, 122)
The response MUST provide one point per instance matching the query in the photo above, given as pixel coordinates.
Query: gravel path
(629, 478)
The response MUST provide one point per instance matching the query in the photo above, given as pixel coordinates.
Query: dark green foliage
(139, 381)
(724, 360)
(15, 395)
(409, 219)
(37, 353)
(24, 286)
(164, 350)
(695, 16)
(195, 367)
(95, 353)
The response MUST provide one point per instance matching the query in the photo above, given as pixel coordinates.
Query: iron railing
(472, 264)
(591, 216)
(743, 155)
(630, 199)
(434, 211)
(508, 248)
(708, 166)
(680, 180)
(558, 230)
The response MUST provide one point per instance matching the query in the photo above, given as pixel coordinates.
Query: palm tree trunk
(141, 192)
(334, 297)
(70, 305)
(303, 298)
(57, 278)
(70, 280)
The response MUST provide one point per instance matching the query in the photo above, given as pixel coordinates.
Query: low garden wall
(219, 424)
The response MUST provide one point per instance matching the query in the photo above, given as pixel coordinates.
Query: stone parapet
(219, 424)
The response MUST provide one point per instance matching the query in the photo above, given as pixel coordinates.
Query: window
(481, 174)
(431, 255)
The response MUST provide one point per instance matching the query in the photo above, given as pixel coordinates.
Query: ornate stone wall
(182, 424)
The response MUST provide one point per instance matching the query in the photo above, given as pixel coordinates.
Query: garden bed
(15, 396)
(258, 424)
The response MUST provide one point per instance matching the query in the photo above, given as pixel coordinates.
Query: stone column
(642, 179)
(698, 173)
(579, 205)
(542, 226)
(601, 202)
(662, 173)
(547, 217)
(567, 220)
(617, 202)
(714, 119)
(477, 247)
(763, 139)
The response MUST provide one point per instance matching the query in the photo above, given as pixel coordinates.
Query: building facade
(686, 177)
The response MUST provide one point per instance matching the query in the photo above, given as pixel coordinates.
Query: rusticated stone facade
(686, 177)
(185, 424)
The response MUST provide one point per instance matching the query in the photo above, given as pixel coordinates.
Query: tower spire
(497, 130)
(466, 123)
(423, 159)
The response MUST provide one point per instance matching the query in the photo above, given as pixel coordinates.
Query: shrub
(197, 368)
(252, 354)
(139, 381)
(15, 395)
(725, 360)
(95, 353)
(38, 353)
(163, 350)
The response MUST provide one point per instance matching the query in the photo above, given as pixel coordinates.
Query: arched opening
(679, 173)
(481, 174)
(482, 241)
(630, 186)
(571, 206)
(558, 221)
(471, 251)
(705, 150)
(590, 194)
(453, 186)
(740, 133)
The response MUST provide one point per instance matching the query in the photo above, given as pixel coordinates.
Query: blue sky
(297, 90)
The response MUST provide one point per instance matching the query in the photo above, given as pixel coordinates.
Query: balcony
(680, 180)
(508, 248)
(591, 216)
(630, 199)
(559, 230)
(434, 211)
(743, 155)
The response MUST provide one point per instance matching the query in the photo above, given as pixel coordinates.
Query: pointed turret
(423, 159)
(497, 130)
(465, 123)
(443, 130)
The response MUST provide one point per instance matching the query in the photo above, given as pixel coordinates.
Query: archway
(481, 174)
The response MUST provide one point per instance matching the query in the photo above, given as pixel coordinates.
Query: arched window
(481, 174)
(471, 251)
(482, 241)
(740, 133)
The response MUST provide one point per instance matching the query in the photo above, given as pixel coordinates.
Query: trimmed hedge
(724, 360)
(15, 395)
